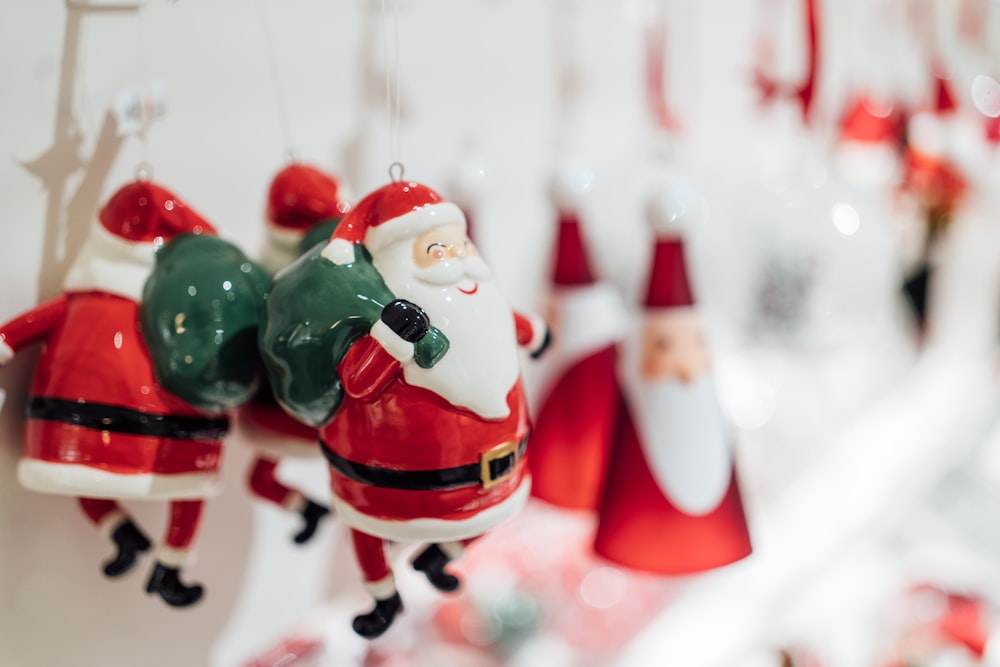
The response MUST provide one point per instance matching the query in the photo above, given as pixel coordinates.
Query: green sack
(315, 311)
(201, 311)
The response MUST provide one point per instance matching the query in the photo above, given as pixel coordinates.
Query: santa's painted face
(441, 271)
(445, 256)
(673, 346)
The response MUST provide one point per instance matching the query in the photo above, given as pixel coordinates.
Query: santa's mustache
(451, 271)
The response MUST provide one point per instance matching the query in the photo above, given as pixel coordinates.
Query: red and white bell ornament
(671, 502)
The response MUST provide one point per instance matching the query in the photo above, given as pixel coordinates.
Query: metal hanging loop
(396, 172)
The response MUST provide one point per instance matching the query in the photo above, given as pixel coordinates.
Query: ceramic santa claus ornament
(867, 154)
(577, 416)
(302, 202)
(101, 425)
(394, 340)
(671, 503)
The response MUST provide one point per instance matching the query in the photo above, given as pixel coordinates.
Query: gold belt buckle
(492, 454)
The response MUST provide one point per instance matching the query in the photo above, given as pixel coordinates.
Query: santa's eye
(436, 250)
(663, 342)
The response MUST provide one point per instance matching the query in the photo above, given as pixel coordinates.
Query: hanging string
(280, 101)
(143, 170)
(392, 87)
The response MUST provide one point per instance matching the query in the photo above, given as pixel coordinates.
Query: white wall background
(477, 82)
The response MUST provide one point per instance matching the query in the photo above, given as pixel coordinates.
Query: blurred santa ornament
(671, 503)
(303, 202)
(867, 153)
(868, 210)
(934, 177)
(425, 428)
(942, 627)
(152, 340)
(573, 430)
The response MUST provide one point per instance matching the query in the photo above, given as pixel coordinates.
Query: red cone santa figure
(300, 197)
(99, 425)
(671, 503)
(572, 436)
(428, 454)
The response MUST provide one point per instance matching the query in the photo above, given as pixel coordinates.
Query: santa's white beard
(684, 437)
(481, 365)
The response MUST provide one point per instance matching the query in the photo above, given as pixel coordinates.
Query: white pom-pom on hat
(673, 209)
(570, 182)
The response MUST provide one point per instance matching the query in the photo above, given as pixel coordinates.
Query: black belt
(492, 468)
(104, 417)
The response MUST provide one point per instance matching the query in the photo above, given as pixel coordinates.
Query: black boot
(916, 288)
(432, 563)
(312, 513)
(378, 620)
(166, 581)
(131, 542)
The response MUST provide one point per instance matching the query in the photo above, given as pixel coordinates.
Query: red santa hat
(120, 252)
(145, 212)
(991, 130)
(399, 210)
(669, 286)
(869, 122)
(944, 100)
(566, 189)
(870, 139)
(571, 267)
(929, 130)
(301, 195)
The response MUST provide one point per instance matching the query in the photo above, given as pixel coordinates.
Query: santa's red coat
(94, 353)
(387, 423)
(640, 528)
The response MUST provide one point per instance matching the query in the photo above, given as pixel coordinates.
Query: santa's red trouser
(182, 527)
(264, 484)
(370, 553)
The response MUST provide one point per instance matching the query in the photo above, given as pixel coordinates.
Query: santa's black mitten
(406, 319)
(546, 342)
